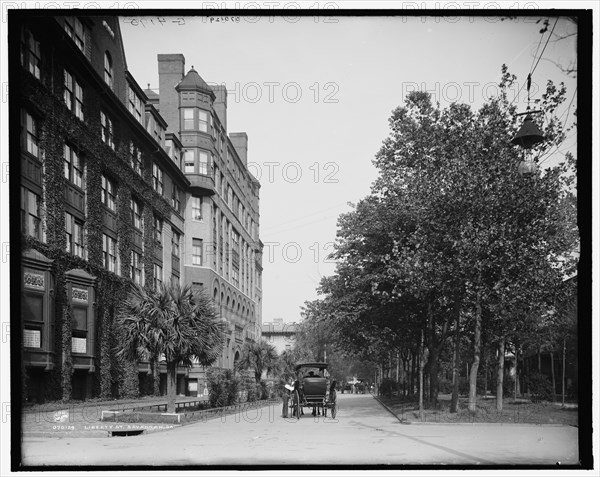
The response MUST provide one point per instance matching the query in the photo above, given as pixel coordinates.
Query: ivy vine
(113, 378)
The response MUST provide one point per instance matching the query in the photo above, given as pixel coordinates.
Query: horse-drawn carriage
(313, 389)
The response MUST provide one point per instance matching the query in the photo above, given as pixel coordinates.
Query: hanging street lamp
(528, 136)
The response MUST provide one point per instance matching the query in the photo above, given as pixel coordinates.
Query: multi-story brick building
(119, 184)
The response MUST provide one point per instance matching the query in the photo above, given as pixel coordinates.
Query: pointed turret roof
(193, 81)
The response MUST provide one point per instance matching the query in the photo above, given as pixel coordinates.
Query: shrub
(248, 385)
(223, 387)
(539, 387)
(261, 389)
(445, 386)
(388, 386)
(508, 385)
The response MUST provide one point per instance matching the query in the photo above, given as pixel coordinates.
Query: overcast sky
(315, 96)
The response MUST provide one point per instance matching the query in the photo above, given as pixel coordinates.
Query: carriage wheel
(333, 410)
(297, 406)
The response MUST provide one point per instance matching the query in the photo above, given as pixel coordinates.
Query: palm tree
(173, 321)
(259, 357)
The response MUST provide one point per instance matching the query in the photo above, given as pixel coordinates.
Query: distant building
(223, 251)
(279, 334)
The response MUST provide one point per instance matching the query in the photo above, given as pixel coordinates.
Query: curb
(147, 428)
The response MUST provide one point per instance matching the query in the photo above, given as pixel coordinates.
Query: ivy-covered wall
(113, 377)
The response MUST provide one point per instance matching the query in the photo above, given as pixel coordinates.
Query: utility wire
(542, 53)
(536, 52)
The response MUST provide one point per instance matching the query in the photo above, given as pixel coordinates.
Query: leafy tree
(173, 321)
(450, 231)
(258, 357)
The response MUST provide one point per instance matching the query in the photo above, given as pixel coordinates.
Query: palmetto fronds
(173, 321)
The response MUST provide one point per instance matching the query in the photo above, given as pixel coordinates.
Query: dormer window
(135, 105)
(31, 53)
(108, 69)
(75, 30)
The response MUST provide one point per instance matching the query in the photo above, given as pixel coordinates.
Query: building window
(107, 130)
(188, 119)
(109, 250)
(74, 229)
(157, 132)
(157, 178)
(73, 166)
(79, 326)
(158, 227)
(135, 105)
(31, 139)
(158, 275)
(176, 198)
(174, 279)
(75, 30)
(108, 69)
(136, 214)
(196, 208)
(235, 241)
(189, 163)
(136, 267)
(30, 53)
(203, 164)
(31, 213)
(73, 95)
(175, 239)
(196, 251)
(202, 120)
(135, 156)
(108, 193)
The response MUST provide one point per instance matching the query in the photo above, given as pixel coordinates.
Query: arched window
(108, 69)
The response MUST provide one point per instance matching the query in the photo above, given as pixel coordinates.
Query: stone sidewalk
(82, 419)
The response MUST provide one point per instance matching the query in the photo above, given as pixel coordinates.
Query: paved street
(363, 433)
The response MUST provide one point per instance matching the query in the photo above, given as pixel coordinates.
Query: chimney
(240, 143)
(170, 73)
(220, 103)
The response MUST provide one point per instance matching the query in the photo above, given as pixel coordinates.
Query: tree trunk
(421, 374)
(413, 369)
(171, 386)
(553, 376)
(434, 382)
(455, 363)
(421, 367)
(486, 371)
(500, 377)
(406, 369)
(516, 372)
(539, 357)
(476, 358)
(155, 369)
(397, 373)
(564, 355)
